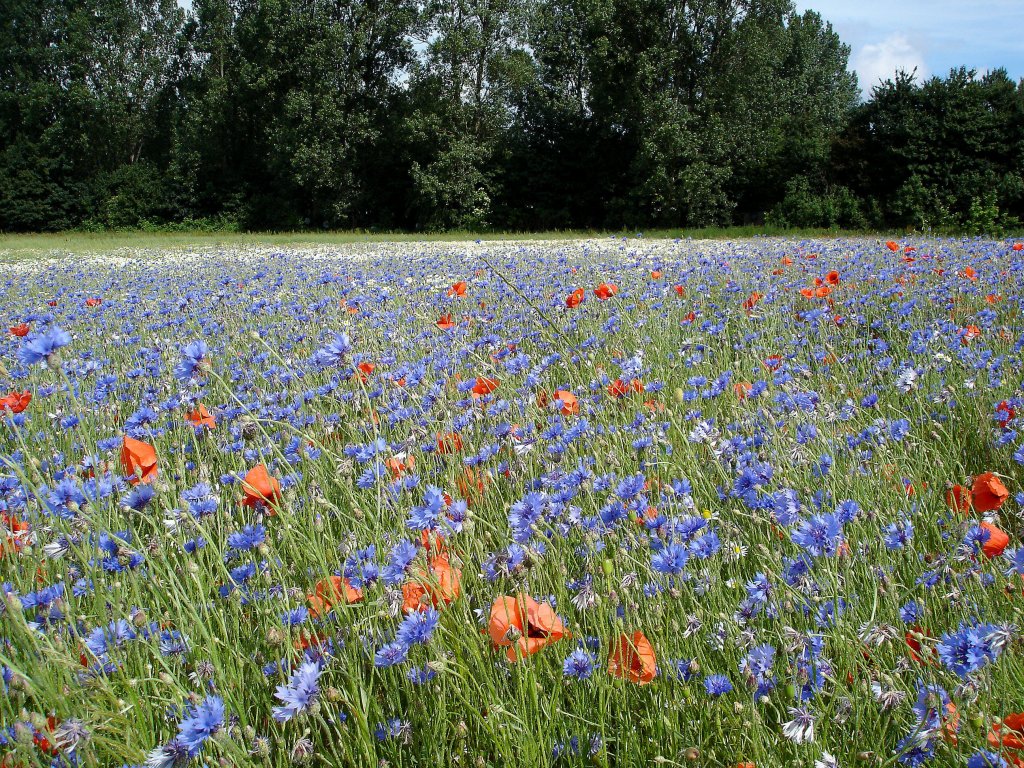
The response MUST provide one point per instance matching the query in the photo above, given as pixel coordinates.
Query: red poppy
(575, 298)
(742, 389)
(570, 405)
(445, 323)
(260, 487)
(330, 593)
(93, 302)
(523, 626)
(751, 301)
(365, 369)
(633, 659)
(1018, 246)
(449, 443)
(201, 417)
(832, 278)
(484, 386)
(459, 289)
(605, 291)
(20, 330)
(15, 402)
(138, 459)
(679, 289)
(773, 363)
(988, 492)
(958, 499)
(892, 245)
(997, 541)
(52, 303)
(690, 318)
(620, 388)
(1004, 414)
(922, 654)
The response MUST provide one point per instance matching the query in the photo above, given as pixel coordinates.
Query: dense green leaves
(521, 114)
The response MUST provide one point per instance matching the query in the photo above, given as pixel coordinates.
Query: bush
(802, 207)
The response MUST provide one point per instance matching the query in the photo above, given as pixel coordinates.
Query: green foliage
(520, 114)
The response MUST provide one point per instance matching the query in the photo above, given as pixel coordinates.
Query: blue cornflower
(295, 616)
(986, 759)
(417, 627)
(391, 654)
(193, 358)
(333, 353)
(968, 649)
(1016, 559)
(300, 692)
(579, 664)
(250, 537)
(139, 497)
(671, 559)
(819, 535)
(898, 535)
(42, 346)
(200, 724)
(717, 685)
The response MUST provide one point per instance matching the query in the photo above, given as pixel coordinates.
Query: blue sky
(932, 35)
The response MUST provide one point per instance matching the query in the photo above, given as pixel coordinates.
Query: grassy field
(103, 242)
(435, 503)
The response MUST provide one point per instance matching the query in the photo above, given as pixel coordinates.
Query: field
(612, 502)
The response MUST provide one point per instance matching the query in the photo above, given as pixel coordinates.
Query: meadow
(610, 502)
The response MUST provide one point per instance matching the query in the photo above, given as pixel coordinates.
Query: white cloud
(879, 61)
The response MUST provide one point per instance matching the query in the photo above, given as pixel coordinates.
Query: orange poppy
(1009, 734)
(138, 459)
(399, 466)
(822, 291)
(997, 541)
(807, 293)
(260, 487)
(485, 386)
(656, 274)
(633, 658)
(12, 540)
(742, 389)
(440, 586)
(751, 301)
(523, 626)
(786, 261)
(892, 246)
(968, 273)
(988, 492)
(920, 653)
(969, 333)
(449, 443)
(445, 323)
(20, 330)
(575, 298)
(570, 405)
(15, 402)
(332, 592)
(93, 302)
(201, 417)
(459, 289)
(605, 291)
(690, 318)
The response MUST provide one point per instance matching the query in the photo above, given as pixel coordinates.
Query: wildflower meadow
(613, 502)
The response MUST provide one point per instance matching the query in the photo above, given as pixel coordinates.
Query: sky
(932, 35)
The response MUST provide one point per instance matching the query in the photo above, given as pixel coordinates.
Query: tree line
(472, 114)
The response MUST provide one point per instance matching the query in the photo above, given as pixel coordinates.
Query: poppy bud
(692, 754)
